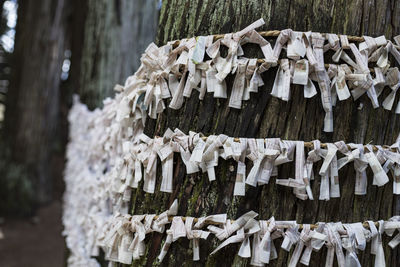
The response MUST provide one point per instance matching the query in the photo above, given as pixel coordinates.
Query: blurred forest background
(61, 47)
(49, 50)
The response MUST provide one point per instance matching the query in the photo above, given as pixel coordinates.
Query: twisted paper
(175, 69)
(200, 153)
(103, 166)
(125, 236)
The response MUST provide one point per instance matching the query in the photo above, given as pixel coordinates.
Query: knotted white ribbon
(317, 55)
(195, 235)
(350, 245)
(376, 243)
(380, 176)
(267, 249)
(291, 237)
(390, 226)
(166, 155)
(176, 231)
(313, 156)
(256, 149)
(329, 174)
(367, 85)
(230, 227)
(282, 39)
(250, 227)
(304, 237)
(393, 80)
(314, 240)
(211, 153)
(238, 87)
(281, 87)
(239, 154)
(334, 244)
(300, 184)
(162, 219)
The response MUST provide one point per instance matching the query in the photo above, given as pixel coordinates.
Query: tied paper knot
(281, 87)
(329, 174)
(360, 165)
(195, 235)
(230, 227)
(304, 238)
(239, 154)
(266, 247)
(176, 231)
(316, 55)
(238, 88)
(380, 176)
(263, 154)
(282, 39)
(291, 236)
(376, 243)
(390, 226)
(166, 155)
(392, 77)
(312, 240)
(301, 184)
(355, 241)
(137, 247)
(209, 158)
(118, 240)
(334, 244)
(245, 226)
(365, 85)
(162, 220)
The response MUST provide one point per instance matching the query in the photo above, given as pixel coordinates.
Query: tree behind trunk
(115, 35)
(32, 105)
(265, 116)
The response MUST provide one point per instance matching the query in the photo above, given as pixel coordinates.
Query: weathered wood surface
(264, 116)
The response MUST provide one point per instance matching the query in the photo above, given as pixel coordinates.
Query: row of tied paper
(170, 72)
(99, 144)
(95, 140)
(124, 237)
(139, 162)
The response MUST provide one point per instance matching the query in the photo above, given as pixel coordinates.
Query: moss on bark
(264, 116)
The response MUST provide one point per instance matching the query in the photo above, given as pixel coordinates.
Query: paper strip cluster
(261, 158)
(107, 158)
(170, 72)
(125, 237)
(103, 164)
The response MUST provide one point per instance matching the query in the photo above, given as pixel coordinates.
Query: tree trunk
(116, 33)
(265, 116)
(32, 104)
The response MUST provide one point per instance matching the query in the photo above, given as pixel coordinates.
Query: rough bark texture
(115, 34)
(265, 116)
(32, 103)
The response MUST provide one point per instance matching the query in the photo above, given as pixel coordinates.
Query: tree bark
(265, 116)
(115, 34)
(32, 104)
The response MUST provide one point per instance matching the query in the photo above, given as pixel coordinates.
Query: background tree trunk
(32, 105)
(115, 34)
(265, 116)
